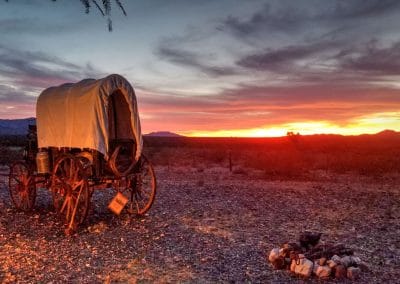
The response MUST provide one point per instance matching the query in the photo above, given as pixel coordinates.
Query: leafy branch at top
(104, 8)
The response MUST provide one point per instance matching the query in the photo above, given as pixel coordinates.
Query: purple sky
(228, 68)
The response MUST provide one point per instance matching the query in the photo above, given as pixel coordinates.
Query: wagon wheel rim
(143, 188)
(70, 191)
(22, 186)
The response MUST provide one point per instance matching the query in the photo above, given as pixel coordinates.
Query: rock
(283, 252)
(331, 263)
(293, 266)
(356, 260)
(322, 261)
(322, 271)
(303, 268)
(315, 268)
(273, 255)
(340, 272)
(276, 260)
(347, 261)
(353, 273)
(291, 247)
(336, 259)
(309, 239)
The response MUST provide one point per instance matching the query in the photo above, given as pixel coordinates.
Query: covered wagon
(87, 137)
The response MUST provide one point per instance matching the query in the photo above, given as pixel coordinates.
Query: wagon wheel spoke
(70, 191)
(143, 187)
(22, 186)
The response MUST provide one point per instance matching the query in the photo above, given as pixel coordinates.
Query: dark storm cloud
(24, 74)
(39, 70)
(9, 95)
(327, 93)
(286, 17)
(282, 58)
(192, 60)
(344, 9)
(372, 60)
(361, 63)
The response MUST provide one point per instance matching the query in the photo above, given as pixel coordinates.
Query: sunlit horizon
(364, 125)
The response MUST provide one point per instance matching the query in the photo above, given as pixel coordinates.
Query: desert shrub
(276, 163)
(10, 154)
(239, 171)
(283, 157)
(200, 182)
(216, 156)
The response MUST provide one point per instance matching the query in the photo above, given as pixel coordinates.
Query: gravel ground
(205, 226)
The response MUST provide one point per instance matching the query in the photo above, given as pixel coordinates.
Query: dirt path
(205, 226)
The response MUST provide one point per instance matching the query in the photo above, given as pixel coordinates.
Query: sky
(215, 68)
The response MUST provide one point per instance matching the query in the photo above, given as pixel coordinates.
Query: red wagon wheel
(142, 189)
(21, 185)
(70, 191)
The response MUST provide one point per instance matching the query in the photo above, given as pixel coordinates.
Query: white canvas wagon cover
(88, 114)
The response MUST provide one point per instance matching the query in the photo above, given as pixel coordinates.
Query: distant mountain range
(163, 134)
(20, 127)
(15, 126)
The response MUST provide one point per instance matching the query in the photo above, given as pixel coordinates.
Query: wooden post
(230, 160)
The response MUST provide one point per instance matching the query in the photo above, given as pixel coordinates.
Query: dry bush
(10, 154)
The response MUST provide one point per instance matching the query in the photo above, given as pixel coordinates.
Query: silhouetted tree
(104, 8)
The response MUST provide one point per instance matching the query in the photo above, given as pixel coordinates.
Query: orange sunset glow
(324, 71)
(364, 125)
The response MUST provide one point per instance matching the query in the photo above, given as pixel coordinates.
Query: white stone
(315, 268)
(282, 252)
(336, 259)
(293, 266)
(331, 263)
(322, 271)
(347, 261)
(273, 255)
(356, 259)
(303, 268)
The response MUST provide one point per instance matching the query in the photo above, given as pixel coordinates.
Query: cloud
(192, 60)
(265, 19)
(24, 74)
(285, 17)
(282, 58)
(39, 70)
(15, 103)
(372, 59)
(9, 95)
(360, 9)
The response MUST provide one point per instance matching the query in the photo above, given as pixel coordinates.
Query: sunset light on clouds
(216, 68)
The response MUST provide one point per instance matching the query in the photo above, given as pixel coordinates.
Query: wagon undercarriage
(71, 187)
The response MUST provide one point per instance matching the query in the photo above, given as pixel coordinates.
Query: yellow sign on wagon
(118, 203)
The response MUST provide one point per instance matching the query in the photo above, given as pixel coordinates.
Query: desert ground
(208, 224)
